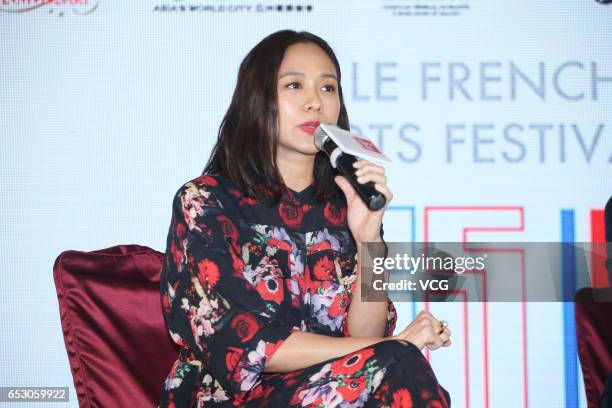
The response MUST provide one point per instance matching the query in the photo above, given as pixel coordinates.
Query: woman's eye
(293, 85)
(329, 88)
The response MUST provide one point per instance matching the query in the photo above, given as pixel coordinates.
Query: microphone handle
(374, 199)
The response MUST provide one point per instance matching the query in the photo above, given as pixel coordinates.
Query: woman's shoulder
(204, 190)
(205, 182)
(213, 190)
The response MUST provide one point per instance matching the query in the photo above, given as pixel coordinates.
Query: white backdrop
(496, 114)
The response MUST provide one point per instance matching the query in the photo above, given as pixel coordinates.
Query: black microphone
(373, 198)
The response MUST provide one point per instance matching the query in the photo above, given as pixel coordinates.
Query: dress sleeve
(210, 308)
(391, 318)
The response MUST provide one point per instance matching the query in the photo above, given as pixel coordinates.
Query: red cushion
(594, 334)
(118, 346)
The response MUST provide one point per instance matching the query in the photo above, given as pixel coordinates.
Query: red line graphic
(599, 277)
(465, 239)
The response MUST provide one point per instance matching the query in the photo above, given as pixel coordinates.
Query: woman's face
(307, 89)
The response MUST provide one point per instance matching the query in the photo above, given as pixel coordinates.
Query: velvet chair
(118, 347)
(594, 334)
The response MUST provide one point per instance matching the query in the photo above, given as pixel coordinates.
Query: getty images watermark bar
(482, 271)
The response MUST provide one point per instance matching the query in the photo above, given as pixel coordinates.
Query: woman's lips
(309, 127)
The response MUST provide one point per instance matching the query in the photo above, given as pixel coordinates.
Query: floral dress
(241, 276)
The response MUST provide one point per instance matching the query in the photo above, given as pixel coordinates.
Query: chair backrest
(118, 347)
(594, 335)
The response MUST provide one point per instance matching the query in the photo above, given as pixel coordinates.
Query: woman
(261, 286)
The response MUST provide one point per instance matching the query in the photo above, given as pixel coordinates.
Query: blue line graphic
(568, 266)
(412, 236)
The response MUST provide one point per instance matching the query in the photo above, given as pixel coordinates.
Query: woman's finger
(370, 168)
(442, 339)
(345, 186)
(445, 335)
(435, 323)
(385, 191)
(373, 177)
(435, 342)
(360, 163)
(440, 332)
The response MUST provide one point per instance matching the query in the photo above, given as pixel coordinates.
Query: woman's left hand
(364, 223)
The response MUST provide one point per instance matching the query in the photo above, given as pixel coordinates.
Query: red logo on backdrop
(54, 7)
(367, 145)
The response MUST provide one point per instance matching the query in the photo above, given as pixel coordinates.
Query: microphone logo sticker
(367, 145)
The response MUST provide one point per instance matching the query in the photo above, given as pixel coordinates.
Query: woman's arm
(303, 349)
(367, 323)
(366, 319)
(366, 226)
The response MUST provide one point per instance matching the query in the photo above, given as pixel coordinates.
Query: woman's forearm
(366, 325)
(366, 319)
(303, 349)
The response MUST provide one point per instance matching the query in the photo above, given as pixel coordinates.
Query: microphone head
(320, 137)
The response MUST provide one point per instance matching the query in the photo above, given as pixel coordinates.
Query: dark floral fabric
(240, 276)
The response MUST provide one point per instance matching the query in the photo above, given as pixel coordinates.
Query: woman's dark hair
(245, 151)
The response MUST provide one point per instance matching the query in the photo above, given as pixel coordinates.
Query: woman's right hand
(425, 331)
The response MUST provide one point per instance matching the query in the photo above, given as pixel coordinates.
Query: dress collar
(307, 195)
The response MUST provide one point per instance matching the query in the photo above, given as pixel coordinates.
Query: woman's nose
(312, 102)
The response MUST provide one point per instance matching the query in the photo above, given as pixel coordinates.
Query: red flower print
(272, 346)
(180, 230)
(352, 389)
(165, 304)
(351, 363)
(234, 192)
(248, 201)
(260, 392)
(434, 404)
(238, 265)
(292, 216)
(338, 306)
(324, 268)
(305, 207)
(208, 273)
(280, 244)
(293, 374)
(208, 181)
(245, 326)
(382, 390)
(295, 398)
(270, 289)
(333, 214)
(321, 246)
(401, 399)
(232, 357)
(177, 255)
(228, 228)
(264, 189)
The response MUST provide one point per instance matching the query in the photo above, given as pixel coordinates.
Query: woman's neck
(297, 172)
